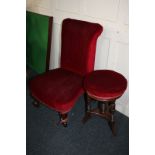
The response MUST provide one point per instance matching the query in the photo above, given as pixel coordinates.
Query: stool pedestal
(104, 86)
(105, 109)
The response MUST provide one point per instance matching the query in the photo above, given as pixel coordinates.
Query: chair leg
(112, 121)
(36, 104)
(87, 108)
(63, 119)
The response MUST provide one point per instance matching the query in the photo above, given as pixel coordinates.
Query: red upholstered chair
(59, 88)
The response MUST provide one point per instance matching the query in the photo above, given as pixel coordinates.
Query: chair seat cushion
(105, 84)
(58, 89)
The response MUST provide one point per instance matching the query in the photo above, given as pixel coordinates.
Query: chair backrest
(78, 45)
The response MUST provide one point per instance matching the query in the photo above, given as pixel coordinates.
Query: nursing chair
(59, 88)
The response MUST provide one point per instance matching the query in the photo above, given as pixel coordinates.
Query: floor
(45, 137)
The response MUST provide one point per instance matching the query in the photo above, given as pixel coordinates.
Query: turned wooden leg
(36, 104)
(87, 108)
(101, 107)
(63, 119)
(112, 121)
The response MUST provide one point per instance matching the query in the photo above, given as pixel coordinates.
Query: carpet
(45, 137)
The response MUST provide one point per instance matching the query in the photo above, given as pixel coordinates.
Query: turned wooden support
(87, 103)
(105, 109)
(101, 107)
(112, 121)
(63, 119)
(87, 108)
(112, 110)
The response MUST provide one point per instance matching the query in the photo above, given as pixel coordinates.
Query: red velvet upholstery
(105, 84)
(59, 88)
(79, 45)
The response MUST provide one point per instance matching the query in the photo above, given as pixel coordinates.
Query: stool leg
(101, 107)
(87, 108)
(112, 121)
(87, 103)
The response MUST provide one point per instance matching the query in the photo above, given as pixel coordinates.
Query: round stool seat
(105, 84)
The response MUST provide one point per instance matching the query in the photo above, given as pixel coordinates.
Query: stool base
(104, 110)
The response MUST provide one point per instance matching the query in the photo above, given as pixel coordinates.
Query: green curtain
(36, 41)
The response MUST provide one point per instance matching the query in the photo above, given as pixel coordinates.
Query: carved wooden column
(112, 121)
(101, 107)
(87, 108)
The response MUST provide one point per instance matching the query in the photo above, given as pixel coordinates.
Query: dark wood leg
(87, 108)
(87, 103)
(105, 109)
(63, 119)
(36, 104)
(101, 107)
(112, 121)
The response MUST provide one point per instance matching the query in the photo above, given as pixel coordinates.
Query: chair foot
(36, 104)
(65, 124)
(64, 119)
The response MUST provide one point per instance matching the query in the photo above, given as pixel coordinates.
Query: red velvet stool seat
(104, 86)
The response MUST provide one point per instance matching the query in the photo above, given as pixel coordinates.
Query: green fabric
(36, 41)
